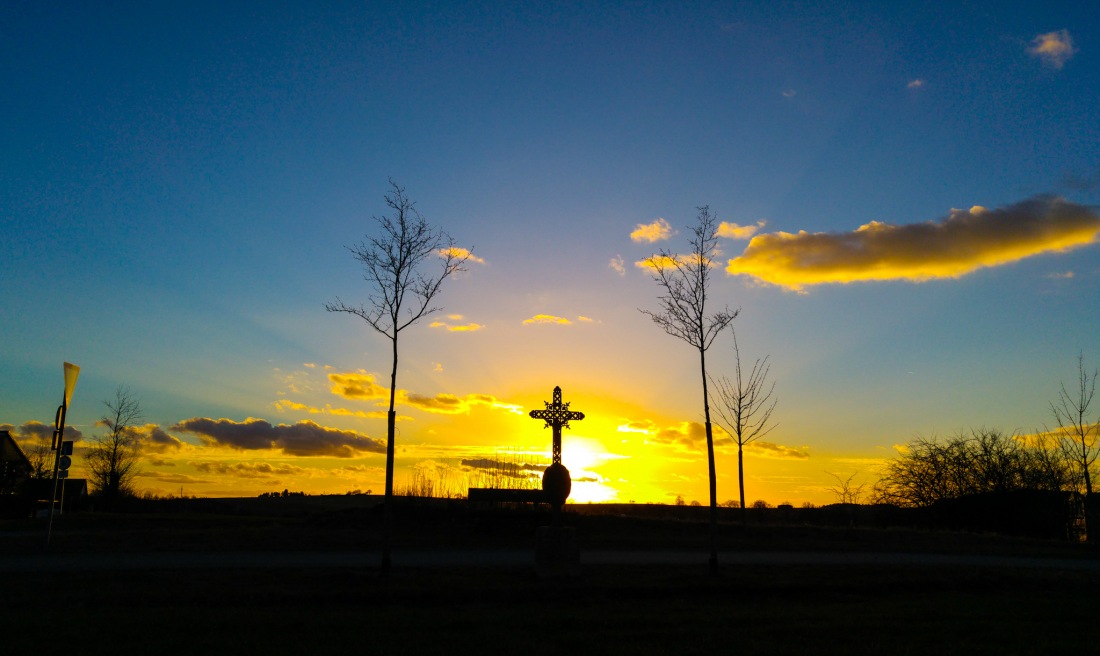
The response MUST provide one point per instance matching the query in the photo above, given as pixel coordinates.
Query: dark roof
(10, 453)
(14, 466)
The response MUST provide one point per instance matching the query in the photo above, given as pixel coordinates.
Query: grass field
(831, 609)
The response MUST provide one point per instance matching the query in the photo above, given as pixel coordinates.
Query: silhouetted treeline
(985, 461)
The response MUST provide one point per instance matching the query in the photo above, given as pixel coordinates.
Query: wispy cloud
(967, 240)
(687, 434)
(248, 469)
(304, 438)
(734, 231)
(286, 404)
(1060, 275)
(915, 84)
(1054, 49)
(451, 404)
(644, 426)
(504, 467)
(456, 327)
(547, 319)
(361, 386)
(616, 265)
(658, 230)
(776, 451)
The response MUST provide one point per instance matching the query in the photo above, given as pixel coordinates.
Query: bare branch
(1077, 434)
(685, 280)
(394, 262)
(745, 404)
(844, 491)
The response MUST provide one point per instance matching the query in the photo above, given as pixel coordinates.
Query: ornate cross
(557, 416)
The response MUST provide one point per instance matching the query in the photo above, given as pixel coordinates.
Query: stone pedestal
(557, 554)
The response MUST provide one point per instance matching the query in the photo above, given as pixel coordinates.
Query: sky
(908, 196)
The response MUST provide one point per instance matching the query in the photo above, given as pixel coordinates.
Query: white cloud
(616, 265)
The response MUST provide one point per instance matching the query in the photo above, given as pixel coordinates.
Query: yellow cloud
(651, 232)
(451, 404)
(666, 261)
(547, 318)
(359, 385)
(967, 240)
(286, 404)
(466, 327)
(687, 434)
(734, 231)
(459, 253)
(1053, 48)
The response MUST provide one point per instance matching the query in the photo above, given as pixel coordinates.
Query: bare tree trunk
(741, 485)
(391, 430)
(710, 469)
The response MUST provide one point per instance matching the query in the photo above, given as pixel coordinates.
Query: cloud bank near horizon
(304, 438)
(963, 242)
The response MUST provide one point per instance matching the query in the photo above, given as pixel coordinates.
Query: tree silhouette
(1078, 437)
(401, 294)
(844, 490)
(745, 406)
(113, 457)
(987, 460)
(685, 280)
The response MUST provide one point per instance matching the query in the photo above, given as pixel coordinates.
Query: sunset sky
(908, 195)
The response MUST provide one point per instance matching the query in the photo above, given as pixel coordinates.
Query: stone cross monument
(557, 415)
(556, 482)
(556, 550)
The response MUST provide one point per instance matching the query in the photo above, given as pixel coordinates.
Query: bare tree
(394, 260)
(40, 456)
(985, 461)
(685, 281)
(1078, 436)
(745, 405)
(844, 490)
(113, 457)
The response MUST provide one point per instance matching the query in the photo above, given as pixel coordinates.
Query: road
(508, 558)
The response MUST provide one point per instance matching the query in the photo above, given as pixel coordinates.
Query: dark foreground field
(1009, 596)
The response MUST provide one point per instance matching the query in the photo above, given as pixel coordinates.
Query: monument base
(557, 554)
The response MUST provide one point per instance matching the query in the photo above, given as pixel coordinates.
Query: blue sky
(180, 180)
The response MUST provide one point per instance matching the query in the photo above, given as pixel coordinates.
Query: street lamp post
(71, 373)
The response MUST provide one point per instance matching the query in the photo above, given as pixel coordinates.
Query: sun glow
(584, 457)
